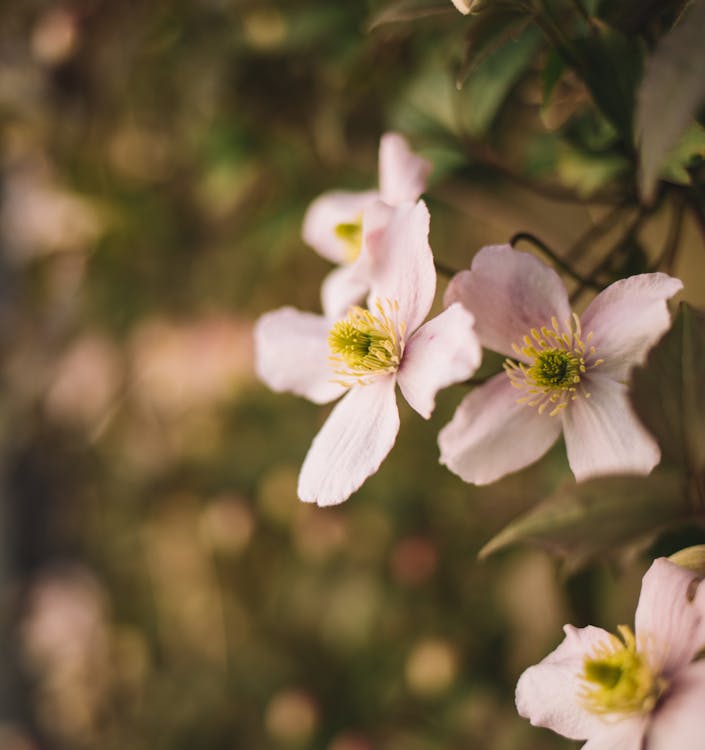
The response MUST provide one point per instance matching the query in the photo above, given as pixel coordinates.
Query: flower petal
(679, 722)
(291, 354)
(351, 445)
(603, 435)
(491, 435)
(462, 5)
(670, 616)
(509, 293)
(402, 174)
(628, 318)
(548, 694)
(402, 264)
(343, 286)
(442, 352)
(626, 734)
(326, 213)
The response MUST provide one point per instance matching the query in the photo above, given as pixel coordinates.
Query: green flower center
(551, 366)
(618, 679)
(351, 235)
(366, 344)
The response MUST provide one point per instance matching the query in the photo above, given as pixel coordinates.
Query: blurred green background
(161, 585)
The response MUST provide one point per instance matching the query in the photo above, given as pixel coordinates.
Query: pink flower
(563, 373)
(639, 691)
(365, 354)
(334, 227)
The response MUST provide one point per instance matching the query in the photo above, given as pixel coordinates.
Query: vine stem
(546, 250)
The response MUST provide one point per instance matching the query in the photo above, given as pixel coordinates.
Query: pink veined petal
(509, 293)
(626, 733)
(402, 174)
(351, 445)
(343, 287)
(548, 694)
(292, 354)
(670, 616)
(442, 352)
(402, 264)
(679, 722)
(627, 319)
(491, 435)
(324, 215)
(602, 434)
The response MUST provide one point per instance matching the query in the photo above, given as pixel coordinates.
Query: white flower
(641, 691)
(563, 373)
(336, 227)
(365, 354)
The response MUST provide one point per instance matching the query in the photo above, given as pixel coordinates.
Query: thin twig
(565, 267)
(597, 230)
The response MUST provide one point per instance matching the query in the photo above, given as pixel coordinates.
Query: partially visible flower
(333, 224)
(563, 373)
(365, 354)
(643, 690)
(464, 6)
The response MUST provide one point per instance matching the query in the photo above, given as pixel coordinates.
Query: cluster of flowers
(562, 374)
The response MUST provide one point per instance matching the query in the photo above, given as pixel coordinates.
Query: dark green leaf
(492, 80)
(598, 517)
(670, 94)
(668, 392)
(409, 10)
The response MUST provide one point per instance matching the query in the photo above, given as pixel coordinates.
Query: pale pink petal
(402, 174)
(291, 354)
(442, 352)
(343, 287)
(602, 434)
(491, 435)
(679, 722)
(348, 285)
(626, 733)
(402, 264)
(509, 293)
(324, 215)
(670, 617)
(628, 318)
(462, 5)
(351, 445)
(548, 694)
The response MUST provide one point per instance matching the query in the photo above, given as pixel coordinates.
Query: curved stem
(546, 250)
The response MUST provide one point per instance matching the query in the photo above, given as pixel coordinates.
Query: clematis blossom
(643, 690)
(334, 224)
(563, 373)
(364, 355)
(464, 6)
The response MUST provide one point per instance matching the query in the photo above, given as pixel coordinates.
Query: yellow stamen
(619, 679)
(364, 344)
(558, 359)
(351, 235)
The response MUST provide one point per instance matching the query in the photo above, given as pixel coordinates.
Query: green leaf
(585, 172)
(598, 517)
(670, 94)
(403, 11)
(668, 392)
(491, 81)
(552, 72)
(610, 64)
(690, 149)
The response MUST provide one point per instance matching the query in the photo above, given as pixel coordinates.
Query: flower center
(558, 359)
(618, 679)
(351, 235)
(366, 344)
